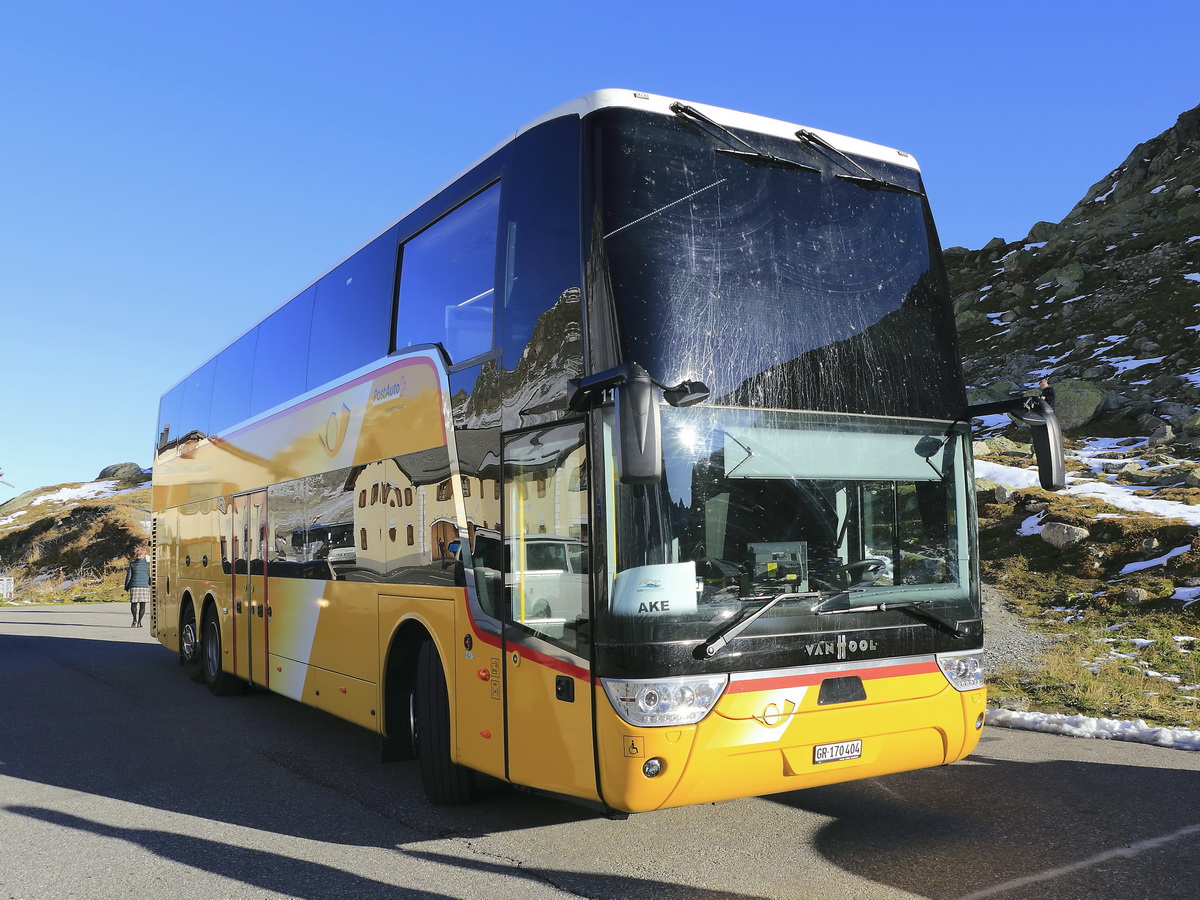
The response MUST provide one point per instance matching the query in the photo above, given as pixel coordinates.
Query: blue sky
(170, 172)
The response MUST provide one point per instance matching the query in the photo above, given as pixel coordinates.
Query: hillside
(1104, 302)
(1106, 305)
(72, 541)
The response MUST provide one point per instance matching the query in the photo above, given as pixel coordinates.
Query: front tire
(189, 645)
(445, 782)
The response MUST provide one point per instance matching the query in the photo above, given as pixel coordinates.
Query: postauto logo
(382, 393)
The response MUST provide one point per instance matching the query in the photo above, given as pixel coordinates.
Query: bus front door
(547, 673)
(250, 602)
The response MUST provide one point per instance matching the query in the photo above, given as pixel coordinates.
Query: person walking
(137, 583)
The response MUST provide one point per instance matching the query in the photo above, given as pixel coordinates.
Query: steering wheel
(863, 571)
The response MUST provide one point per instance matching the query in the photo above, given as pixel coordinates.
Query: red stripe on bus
(750, 685)
(534, 656)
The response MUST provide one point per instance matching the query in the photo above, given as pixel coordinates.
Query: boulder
(1042, 231)
(1070, 275)
(1178, 413)
(1017, 261)
(1119, 467)
(1061, 535)
(1077, 402)
(969, 319)
(1001, 444)
(1164, 434)
(120, 470)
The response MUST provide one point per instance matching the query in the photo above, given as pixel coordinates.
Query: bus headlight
(963, 670)
(665, 701)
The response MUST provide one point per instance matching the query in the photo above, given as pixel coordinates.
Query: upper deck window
(351, 310)
(281, 356)
(447, 280)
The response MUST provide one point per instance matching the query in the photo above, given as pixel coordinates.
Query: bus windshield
(778, 285)
(844, 515)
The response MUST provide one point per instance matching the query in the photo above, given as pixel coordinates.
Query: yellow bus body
(758, 742)
(517, 452)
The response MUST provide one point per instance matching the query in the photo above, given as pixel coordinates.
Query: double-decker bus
(632, 466)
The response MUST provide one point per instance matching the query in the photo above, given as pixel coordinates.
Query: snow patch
(1089, 727)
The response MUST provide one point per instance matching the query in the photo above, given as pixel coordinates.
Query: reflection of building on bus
(633, 466)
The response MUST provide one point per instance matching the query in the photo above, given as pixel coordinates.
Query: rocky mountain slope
(1106, 303)
(72, 541)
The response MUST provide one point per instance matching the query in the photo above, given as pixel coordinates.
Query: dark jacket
(138, 574)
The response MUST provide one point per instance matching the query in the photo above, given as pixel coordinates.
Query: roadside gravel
(1006, 638)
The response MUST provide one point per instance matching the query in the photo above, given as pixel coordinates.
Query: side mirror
(1046, 435)
(639, 424)
(686, 393)
(1047, 441)
(639, 429)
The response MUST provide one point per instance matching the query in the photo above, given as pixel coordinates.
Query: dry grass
(1115, 653)
(73, 551)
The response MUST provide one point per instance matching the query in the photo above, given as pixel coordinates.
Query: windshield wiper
(866, 179)
(918, 609)
(751, 153)
(726, 633)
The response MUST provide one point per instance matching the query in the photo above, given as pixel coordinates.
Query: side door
(251, 638)
(548, 697)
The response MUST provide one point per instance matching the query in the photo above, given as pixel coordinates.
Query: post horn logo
(772, 716)
(336, 427)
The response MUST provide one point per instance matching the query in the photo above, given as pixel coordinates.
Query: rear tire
(189, 645)
(400, 742)
(445, 782)
(219, 682)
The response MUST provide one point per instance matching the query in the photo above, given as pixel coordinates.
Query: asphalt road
(119, 777)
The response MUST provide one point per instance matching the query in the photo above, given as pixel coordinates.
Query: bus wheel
(401, 739)
(445, 781)
(219, 682)
(189, 645)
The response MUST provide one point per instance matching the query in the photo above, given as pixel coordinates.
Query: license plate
(823, 753)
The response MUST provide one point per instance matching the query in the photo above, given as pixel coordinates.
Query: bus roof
(589, 103)
(605, 99)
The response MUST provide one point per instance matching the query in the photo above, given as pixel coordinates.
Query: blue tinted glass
(197, 401)
(447, 280)
(352, 314)
(542, 212)
(169, 410)
(231, 384)
(282, 355)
